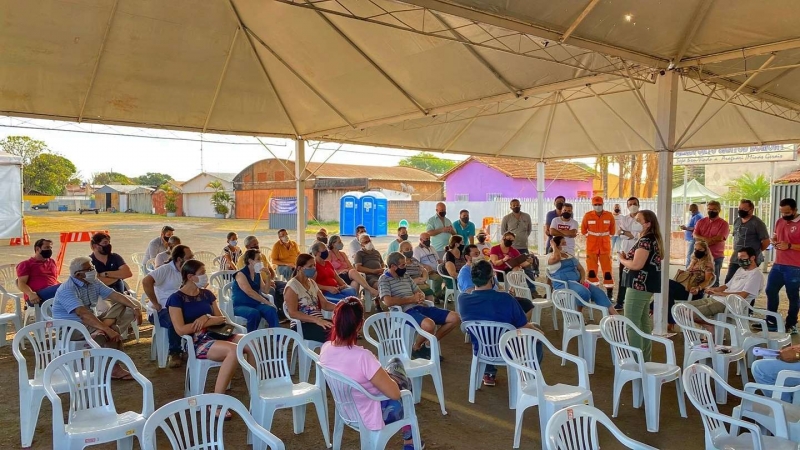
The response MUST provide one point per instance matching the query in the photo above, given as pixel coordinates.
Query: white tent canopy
(10, 196)
(694, 191)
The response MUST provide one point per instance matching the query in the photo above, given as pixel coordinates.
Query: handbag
(689, 279)
(220, 332)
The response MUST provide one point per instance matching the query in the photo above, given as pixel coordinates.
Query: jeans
(286, 272)
(765, 371)
(254, 311)
(614, 243)
(491, 369)
(783, 275)
(689, 252)
(334, 298)
(637, 309)
(45, 294)
(592, 294)
(718, 269)
(175, 343)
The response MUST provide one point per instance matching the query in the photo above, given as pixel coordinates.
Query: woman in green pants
(643, 277)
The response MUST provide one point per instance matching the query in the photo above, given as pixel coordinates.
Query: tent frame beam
(643, 103)
(280, 161)
(741, 53)
(221, 79)
(697, 114)
(583, 128)
(460, 133)
(779, 77)
(97, 60)
(699, 16)
(518, 132)
(546, 137)
(586, 10)
(622, 119)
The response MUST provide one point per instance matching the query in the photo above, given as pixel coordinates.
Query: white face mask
(636, 227)
(369, 246)
(633, 209)
(284, 239)
(202, 281)
(91, 276)
(598, 208)
(259, 266)
(233, 243)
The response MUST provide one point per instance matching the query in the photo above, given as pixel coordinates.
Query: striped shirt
(391, 286)
(75, 293)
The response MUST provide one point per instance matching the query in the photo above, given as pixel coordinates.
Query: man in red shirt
(37, 277)
(713, 230)
(786, 269)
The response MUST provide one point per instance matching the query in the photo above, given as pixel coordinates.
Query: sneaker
(423, 353)
(619, 307)
(793, 329)
(488, 380)
(175, 361)
(411, 446)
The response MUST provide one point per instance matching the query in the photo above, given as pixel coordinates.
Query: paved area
(488, 423)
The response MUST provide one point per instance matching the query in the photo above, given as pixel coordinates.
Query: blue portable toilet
(374, 215)
(349, 213)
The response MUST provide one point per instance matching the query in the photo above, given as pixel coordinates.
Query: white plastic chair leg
(125, 444)
(416, 389)
(338, 431)
(322, 414)
(589, 349)
(652, 404)
(299, 418)
(518, 426)
(29, 415)
(439, 386)
(472, 378)
(721, 393)
(618, 385)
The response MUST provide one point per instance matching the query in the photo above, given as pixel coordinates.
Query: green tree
(220, 199)
(152, 179)
(748, 186)
(110, 178)
(24, 147)
(48, 173)
(429, 163)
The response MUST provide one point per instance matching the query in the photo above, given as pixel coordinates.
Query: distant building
(197, 194)
(116, 196)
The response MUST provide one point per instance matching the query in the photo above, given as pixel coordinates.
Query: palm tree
(601, 166)
(651, 174)
(748, 186)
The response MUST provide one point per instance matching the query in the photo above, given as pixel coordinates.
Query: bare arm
(244, 285)
(764, 244)
(416, 297)
(451, 269)
(90, 320)
(291, 300)
(385, 384)
(148, 284)
(554, 257)
(22, 284)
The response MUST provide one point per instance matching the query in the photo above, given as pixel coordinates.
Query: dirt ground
(488, 423)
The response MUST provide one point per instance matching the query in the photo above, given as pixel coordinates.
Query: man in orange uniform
(598, 227)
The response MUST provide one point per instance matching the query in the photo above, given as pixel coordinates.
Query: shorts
(437, 315)
(203, 343)
(345, 277)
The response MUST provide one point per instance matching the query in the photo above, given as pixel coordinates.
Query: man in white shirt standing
(565, 225)
(628, 230)
(159, 285)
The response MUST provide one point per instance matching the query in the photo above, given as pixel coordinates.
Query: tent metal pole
(702, 107)
(741, 53)
(772, 82)
(221, 79)
(299, 169)
(643, 103)
(546, 137)
(666, 118)
(699, 16)
(97, 61)
(540, 215)
(285, 167)
(517, 133)
(613, 111)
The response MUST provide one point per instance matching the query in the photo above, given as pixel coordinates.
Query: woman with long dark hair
(342, 354)
(643, 277)
(304, 300)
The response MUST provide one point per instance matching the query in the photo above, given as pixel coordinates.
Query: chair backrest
(518, 349)
(684, 315)
(342, 389)
(193, 423)
(220, 278)
(516, 280)
(614, 330)
(5, 298)
(8, 277)
(47, 309)
(206, 258)
(487, 334)
(740, 309)
(392, 333)
(443, 273)
(226, 300)
(49, 339)
(150, 265)
(565, 300)
(270, 349)
(137, 258)
(575, 428)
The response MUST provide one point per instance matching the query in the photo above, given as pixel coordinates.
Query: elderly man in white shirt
(628, 230)
(163, 257)
(159, 285)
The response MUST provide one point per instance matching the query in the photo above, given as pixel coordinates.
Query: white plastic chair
(518, 349)
(575, 428)
(694, 350)
(197, 369)
(647, 376)
(518, 281)
(565, 300)
(159, 343)
(697, 380)
(270, 383)
(763, 416)
(14, 318)
(741, 313)
(49, 339)
(178, 420)
(206, 258)
(393, 333)
(449, 293)
(305, 362)
(220, 278)
(47, 309)
(500, 274)
(138, 260)
(342, 389)
(92, 416)
(487, 335)
(562, 285)
(225, 300)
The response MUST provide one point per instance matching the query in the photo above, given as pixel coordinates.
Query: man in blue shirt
(487, 304)
(689, 231)
(464, 227)
(466, 286)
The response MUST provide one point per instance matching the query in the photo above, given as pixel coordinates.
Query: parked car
(41, 206)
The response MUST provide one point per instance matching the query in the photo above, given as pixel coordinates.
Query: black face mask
(400, 272)
(616, 210)
(481, 239)
(426, 242)
(742, 213)
(324, 240)
(323, 255)
(165, 238)
(516, 209)
(408, 254)
(559, 205)
(46, 254)
(403, 237)
(507, 242)
(699, 255)
(442, 213)
(744, 262)
(465, 219)
(105, 249)
(566, 215)
(788, 218)
(713, 214)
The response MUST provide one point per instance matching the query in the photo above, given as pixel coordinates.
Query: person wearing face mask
(688, 231)
(402, 236)
(163, 257)
(466, 285)
(465, 228)
(333, 287)
(355, 245)
(714, 231)
(748, 231)
(483, 244)
(78, 295)
(193, 309)
(231, 253)
(559, 204)
(370, 262)
(158, 285)
(111, 267)
(398, 289)
(37, 277)
(628, 232)
(305, 302)
(344, 268)
(157, 245)
(504, 257)
(691, 281)
(248, 294)
(427, 256)
(564, 266)
(519, 224)
(785, 270)
(565, 226)
(276, 287)
(322, 236)
(416, 270)
(453, 260)
(284, 254)
(440, 228)
(598, 226)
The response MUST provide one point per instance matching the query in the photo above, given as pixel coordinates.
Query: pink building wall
(477, 180)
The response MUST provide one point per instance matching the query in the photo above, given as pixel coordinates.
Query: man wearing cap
(598, 226)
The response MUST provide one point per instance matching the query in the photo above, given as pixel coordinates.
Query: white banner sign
(766, 153)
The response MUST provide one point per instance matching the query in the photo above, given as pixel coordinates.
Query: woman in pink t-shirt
(342, 355)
